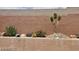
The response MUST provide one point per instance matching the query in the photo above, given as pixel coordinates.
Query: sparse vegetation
(10, 31)
(40, 34)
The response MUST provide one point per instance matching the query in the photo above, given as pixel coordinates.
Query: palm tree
(55, 20)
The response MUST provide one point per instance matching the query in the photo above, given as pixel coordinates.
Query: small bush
(10, 31)
(40, 34)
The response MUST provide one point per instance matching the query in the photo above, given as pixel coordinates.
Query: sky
(32, 7)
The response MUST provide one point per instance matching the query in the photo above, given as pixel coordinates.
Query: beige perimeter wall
(68, 25)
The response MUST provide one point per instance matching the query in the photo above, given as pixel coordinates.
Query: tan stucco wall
(36, 44)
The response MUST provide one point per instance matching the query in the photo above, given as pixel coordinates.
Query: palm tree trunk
(55, 28)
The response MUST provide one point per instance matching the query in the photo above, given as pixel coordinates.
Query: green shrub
(40, 34)
(10, 31)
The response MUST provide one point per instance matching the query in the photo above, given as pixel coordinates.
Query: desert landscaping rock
(23, 35)
(57, 36)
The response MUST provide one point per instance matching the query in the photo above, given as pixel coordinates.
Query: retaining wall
(38, 44)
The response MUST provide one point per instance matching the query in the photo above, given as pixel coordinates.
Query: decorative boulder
(77, 35)
(73, 36)
(29, 34)
(0, 33)
(17, 35)
(23, 35)
(3, 34)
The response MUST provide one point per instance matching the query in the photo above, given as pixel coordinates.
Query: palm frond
(59, 18)
(51, 19)
(55, 15)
